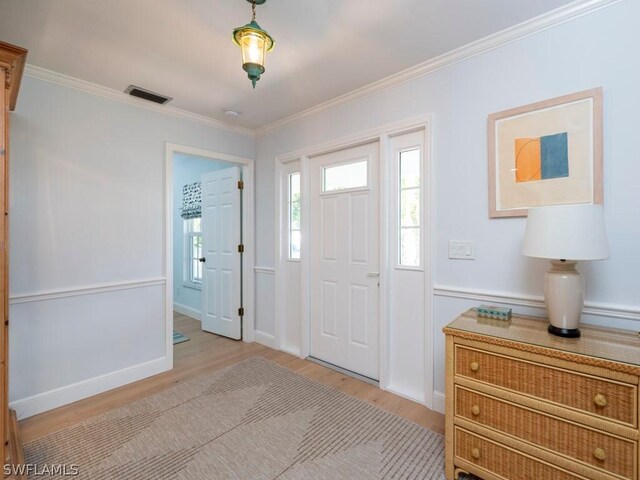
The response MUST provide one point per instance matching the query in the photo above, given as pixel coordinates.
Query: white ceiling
(183, 48)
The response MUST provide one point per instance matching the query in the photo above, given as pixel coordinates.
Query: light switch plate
(462, 249)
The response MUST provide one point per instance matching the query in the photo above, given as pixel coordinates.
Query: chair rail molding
(265, 270)
(91, 289)
(624, 312)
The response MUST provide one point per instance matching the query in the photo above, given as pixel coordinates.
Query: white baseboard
(414, 398)
(439, 404)
(188, 311)
(290, 350)
(265, 339)
(27, 407)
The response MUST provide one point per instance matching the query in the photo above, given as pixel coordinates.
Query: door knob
(373, 274)
(202, 259)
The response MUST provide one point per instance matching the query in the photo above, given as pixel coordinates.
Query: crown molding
(95, 89)
(512, 34)
(561, 15)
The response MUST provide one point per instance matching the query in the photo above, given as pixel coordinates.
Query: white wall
(586, 52)
(186, 169)
(87, 240)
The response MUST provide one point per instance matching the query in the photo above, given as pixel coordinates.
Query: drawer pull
(599, 454)
(475, 410)
(474, 366)
(475, 453)
(600, 400)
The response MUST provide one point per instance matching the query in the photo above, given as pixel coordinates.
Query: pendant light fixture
(255, 43)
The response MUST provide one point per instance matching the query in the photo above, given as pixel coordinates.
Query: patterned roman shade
(191, 201)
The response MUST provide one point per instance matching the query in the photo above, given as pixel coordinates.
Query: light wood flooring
(205, 353)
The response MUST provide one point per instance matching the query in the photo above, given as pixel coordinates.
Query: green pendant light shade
(255, 43)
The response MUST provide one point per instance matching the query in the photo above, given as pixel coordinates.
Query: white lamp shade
(567, 232)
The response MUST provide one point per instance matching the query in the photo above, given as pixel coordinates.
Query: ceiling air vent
(147, 95)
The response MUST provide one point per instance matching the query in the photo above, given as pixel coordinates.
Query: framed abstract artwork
(546, 153)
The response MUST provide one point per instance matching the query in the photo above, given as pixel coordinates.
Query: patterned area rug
(253, 420)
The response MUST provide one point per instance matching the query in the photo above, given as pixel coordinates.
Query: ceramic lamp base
(564, 296)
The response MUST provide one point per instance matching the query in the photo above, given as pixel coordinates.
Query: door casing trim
(248, 175)
(382, 135)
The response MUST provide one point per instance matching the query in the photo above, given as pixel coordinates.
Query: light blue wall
(186, 169)
(87, 199)
(87, 217)
(590, 51)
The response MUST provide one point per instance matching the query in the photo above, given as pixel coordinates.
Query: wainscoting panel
(265, 301)
(66, 347)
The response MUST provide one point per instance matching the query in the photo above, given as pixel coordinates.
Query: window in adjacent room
(193, 242)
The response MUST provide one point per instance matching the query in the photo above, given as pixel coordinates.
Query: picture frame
(546, 153)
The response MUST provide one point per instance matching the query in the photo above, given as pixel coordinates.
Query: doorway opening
(209, 245)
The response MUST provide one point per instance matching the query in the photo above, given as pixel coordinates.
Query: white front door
(222, 267)
(344, 252)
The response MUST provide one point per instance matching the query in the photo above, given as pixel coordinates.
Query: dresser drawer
(503, 461)
(595, 395)
(597, 449)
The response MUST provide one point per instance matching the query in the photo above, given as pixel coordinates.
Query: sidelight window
(409, 216)
(294, 216)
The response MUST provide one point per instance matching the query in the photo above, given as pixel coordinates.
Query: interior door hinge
(241, 311)
(240, 184)
(241, 248)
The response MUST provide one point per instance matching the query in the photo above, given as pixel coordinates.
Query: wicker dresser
(524, 404)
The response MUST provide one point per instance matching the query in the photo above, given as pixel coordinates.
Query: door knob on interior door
(202, 259)
(373, 274)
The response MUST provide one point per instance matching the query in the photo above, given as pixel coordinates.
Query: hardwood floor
(205, 353)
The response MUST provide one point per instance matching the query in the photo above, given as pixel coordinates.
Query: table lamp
(565, 234)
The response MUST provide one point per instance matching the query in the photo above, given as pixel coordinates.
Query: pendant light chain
(253, 9)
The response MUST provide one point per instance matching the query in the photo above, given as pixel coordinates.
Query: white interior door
(222, 267)
(344, 252)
